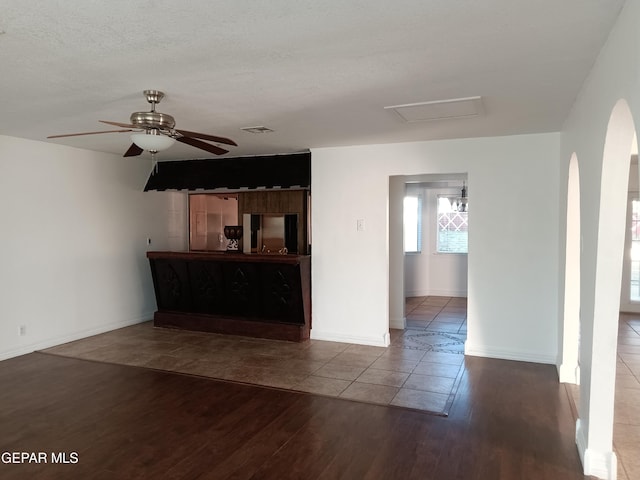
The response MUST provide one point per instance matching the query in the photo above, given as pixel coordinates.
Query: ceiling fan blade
(204, 136)
(202, 145)
(117, 124)
(133, 151)
(88, 133)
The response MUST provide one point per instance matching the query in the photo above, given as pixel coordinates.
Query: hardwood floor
(509, 420)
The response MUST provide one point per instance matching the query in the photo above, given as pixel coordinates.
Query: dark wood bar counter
(257, 295)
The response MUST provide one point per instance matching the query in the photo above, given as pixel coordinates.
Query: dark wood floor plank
(244, 459)
(509, 420)
(421, 452)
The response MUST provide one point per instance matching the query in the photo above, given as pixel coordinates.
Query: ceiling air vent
(439, 110)
(258, 129)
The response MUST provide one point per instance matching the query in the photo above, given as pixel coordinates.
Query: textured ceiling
(318, 73)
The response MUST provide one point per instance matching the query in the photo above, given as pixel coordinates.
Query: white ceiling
(319, 73)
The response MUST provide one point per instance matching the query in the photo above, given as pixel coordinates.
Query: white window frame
(418, 224)
(438, 250)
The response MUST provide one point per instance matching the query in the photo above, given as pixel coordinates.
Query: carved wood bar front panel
(255, 295)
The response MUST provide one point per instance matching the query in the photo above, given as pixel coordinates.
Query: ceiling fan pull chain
(154, 162)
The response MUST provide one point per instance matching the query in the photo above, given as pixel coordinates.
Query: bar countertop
(222, 256)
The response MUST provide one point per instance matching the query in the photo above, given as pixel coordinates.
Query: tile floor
(626, 427)
(420, 370)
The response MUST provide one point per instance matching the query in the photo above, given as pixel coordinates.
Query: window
(452, 228)
(412, 223)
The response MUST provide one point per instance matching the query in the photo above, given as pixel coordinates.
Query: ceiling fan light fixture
(152, 142)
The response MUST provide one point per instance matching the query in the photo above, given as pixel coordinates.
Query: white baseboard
(599, 464)
(581, 441)
(52, 342)
(399, 323)
(569, 374)
(381, 341)
(435, 293)
(504, 354)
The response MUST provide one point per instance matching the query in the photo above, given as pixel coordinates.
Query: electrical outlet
(148, 240)
(23, 330)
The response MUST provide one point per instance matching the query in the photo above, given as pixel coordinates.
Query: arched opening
(599, 325)
(569, 371)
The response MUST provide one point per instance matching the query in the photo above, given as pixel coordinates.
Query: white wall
(513, 282)
(428, 272)
(74, 230)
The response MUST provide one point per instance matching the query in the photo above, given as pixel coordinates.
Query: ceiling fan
(156, 131)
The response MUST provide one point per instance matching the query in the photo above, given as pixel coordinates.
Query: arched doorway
(599, 325)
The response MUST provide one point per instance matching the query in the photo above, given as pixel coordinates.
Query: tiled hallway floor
(626, 426)
(420, 370)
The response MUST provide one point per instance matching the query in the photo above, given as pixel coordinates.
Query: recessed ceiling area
(318, 74)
